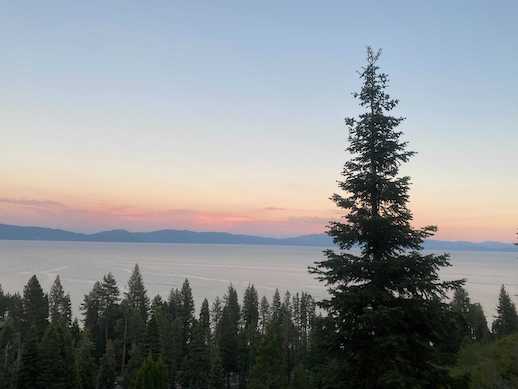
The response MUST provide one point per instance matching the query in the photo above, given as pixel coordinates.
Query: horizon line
(229, 233)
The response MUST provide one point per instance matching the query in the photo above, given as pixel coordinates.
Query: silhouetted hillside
(10, 232)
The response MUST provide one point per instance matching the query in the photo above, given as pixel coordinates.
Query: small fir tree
(506, 320)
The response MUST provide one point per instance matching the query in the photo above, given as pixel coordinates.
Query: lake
(211, 268)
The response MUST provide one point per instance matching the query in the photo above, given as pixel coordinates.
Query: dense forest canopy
(126, 340)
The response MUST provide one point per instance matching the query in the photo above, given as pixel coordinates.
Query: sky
(228, 116)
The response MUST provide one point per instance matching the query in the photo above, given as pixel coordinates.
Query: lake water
(211, 268)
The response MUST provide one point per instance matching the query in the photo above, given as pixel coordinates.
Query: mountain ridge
(15, 232)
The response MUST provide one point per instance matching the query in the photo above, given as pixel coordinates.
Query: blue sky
(224, 111)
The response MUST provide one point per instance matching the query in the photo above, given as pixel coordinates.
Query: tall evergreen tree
(187, 313)
(386, 301)
(479, 329)
(229, 335)
(109, 310)
(135, 311)
(204, 321)
(250, 313)
(249, 333)
(136, 296)
(35, 307)
(276, 306)
(60, 307)
(264, 314)
(506, 320)
(92, 309)
(471, 316)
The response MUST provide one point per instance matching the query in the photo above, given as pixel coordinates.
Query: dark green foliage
(136, 296)
(107, 373)
(92, 310)
(3, 304)
(196, 364)
(85, 363)
(217, 374)
(134, 310)
(204, 322)
(228, 333)
(385, 302)
(249, 333)
(269, 369)
(151, 375)
(30, 364)
(506, 320)
(285, 346)
(10, 347)
(57, 358)
(60, 307)
(109, 309)
(472, 321)
(186, 313)
(489, 365)
(264, 314)
(35, 307)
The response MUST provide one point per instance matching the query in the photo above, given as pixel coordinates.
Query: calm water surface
(211, 268)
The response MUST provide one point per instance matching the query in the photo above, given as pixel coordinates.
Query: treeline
(487, 358)
(128, 340)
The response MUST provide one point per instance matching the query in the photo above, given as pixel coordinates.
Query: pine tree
(187, 314)
(35, 307)
(478, 323)
(248, 334)
(229, 335)
(60, 308)
(472, 320)
(92, 309)
(136, 296)
(264, 314)
(135, 311)
(216, 314)
(506, 320)
(386, 301)
(109, 309)
(250, 313)
(153, 332)
(204, 322)
(276, 306)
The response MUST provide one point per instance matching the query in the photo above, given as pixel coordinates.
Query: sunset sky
(229, 117)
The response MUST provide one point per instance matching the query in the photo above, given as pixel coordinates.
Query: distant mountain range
(11, 232)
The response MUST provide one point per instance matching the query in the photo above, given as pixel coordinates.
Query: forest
(388, 321)
(131, 341)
